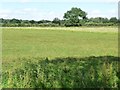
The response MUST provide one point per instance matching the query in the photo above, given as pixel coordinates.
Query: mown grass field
(51, 43)
(32, 44)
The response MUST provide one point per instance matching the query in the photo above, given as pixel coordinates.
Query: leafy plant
(65, 73)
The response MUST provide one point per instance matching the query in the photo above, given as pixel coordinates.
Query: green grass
(32, 44)
(57, 43)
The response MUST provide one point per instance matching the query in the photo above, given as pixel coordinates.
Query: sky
(49, 9)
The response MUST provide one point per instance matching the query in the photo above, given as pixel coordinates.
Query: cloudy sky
(49, 9)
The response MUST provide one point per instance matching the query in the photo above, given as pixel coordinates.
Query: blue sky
(49, 9)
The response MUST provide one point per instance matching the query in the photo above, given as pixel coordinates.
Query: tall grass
(89, 72)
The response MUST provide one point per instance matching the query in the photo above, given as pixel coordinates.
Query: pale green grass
(84, 29)
(58, 42)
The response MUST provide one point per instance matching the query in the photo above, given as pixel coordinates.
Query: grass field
(20, 42)
(51, 43)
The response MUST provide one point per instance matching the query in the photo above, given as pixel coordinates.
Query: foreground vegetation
(68, 72)
(60, 57)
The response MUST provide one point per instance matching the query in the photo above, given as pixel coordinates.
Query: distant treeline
(73, 17)
(98, 21)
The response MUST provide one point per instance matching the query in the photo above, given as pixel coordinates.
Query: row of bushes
(56, 25)
(89, 72)
(30, 25)
(100, 24)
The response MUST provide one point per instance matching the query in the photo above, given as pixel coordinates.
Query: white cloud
(99, 13)
(113, 11)
(51, 15)
(36, 14)
(95, 13)
(30, 14)
(4, 13)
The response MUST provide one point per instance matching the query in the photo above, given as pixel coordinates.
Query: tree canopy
(74, 17)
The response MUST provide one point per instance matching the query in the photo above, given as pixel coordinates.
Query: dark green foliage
(97, 72)
(56, 21)
(113, 20)
(99, 20)
(99, 24)
(74, 17)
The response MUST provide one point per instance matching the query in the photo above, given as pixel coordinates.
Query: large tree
(74, 17)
